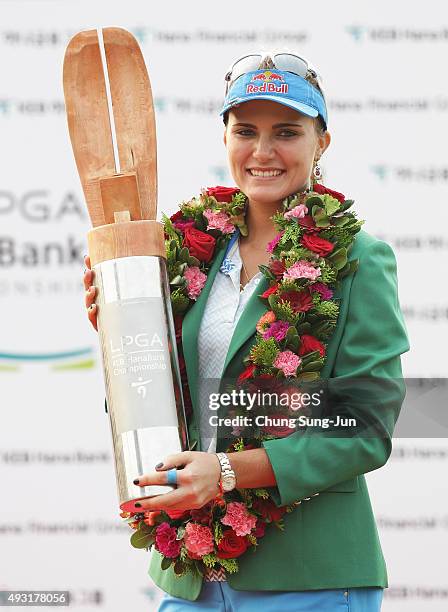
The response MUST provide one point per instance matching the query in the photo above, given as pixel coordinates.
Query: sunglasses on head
(287, 62)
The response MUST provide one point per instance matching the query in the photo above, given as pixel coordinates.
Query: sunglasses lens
(287, 62)
(245, 64)
(291, 63)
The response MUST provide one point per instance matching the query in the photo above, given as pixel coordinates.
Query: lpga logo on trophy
(112, 129)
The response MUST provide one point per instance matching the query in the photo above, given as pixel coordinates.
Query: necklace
(247, 275)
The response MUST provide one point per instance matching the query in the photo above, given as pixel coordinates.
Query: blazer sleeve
(372, 341)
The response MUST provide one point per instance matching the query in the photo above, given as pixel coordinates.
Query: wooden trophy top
(111, 122)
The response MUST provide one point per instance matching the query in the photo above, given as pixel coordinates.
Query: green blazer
(330, 541)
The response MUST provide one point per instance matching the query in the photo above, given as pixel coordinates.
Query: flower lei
(309, 256)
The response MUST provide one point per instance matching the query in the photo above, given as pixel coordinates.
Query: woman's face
(271, 149)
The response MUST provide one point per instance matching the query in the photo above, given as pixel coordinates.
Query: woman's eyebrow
(277, 125)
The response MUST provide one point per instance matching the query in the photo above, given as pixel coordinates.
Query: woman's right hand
(90, 293)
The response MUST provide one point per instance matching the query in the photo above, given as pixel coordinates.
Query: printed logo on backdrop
(20, 458)
(413, 523)
(411, 174)
(414, 242)
(415, 592)
(438, 103)
(52, 245)
(391, 34)
(42, 243)
(56, 38)
(210, 36)
(31, 107)
(428, 313)
(220, 174)
(212, 106)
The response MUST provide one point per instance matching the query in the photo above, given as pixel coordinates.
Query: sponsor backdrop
(59, 525)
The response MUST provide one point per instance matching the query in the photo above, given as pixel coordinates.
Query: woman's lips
(265, 178)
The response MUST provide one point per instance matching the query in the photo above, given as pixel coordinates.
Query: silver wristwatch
(228, 478)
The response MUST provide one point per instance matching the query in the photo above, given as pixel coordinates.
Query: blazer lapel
(190, 332)
(245, 328)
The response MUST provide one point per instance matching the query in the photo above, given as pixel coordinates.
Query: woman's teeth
(265, 173)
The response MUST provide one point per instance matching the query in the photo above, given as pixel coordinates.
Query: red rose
(319, 245)
(177, 215)
(277, 268)
(269, 291)
(200, 244)
(300, 301)
(310, 344)
(334, 194)
(247, 373)
(265, 383)
(180, 223)
(308, 222)
(222, 194)
(268, 509)
(260, 528)
(231, 545)
(203, 515)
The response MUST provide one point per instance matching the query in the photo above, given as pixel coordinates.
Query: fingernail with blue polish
(159, 465)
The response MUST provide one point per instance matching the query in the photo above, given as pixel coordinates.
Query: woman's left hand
(197, 482)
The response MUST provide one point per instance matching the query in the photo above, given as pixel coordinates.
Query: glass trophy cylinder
(141, 371)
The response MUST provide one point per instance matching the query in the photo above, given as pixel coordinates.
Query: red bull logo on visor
(265, 83)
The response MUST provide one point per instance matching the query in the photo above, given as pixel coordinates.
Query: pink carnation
(271, 245)
(323, 289)
(195, 282)
(219, 221)
(198, 539)
(277, 330)
(239, 519)
(287, 362)
(297, 212)
(166, 541)
(302, 269)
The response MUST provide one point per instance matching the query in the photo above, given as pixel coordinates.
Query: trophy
(112, 130)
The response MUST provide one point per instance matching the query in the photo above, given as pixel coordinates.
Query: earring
(317, 171)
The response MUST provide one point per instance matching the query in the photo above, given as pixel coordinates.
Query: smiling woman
(274, 284)
(272, 151)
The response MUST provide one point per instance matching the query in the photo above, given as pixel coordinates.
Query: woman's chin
(265, 194)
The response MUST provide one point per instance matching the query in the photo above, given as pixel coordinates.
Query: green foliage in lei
(309, 311)
(328, 220)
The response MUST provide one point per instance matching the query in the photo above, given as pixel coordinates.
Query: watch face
(228, 483)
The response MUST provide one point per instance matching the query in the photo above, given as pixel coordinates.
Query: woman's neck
(260, 227)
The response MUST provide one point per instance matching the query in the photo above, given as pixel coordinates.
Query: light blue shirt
(224, 307)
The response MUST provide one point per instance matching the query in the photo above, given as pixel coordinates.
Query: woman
(329, 556)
